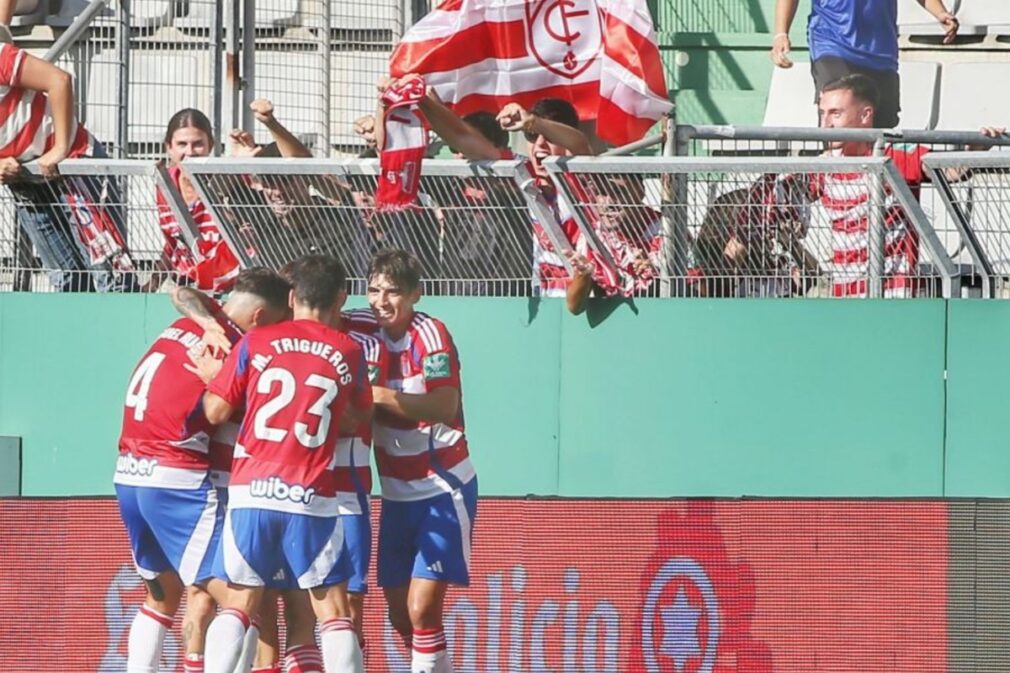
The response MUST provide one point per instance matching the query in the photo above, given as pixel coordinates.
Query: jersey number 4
(261, 422)
(140, 385)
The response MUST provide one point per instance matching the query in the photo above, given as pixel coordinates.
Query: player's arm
(785, 12)
(227, 390)
(206, 313)
(459, 135)
(436, 406)
(361, 408)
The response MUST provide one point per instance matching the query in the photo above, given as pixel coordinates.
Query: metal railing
(757, 226)
(975, 190)
(474, 227)
(95, 228)
(653, 226)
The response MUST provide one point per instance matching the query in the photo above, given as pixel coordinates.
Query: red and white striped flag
(599, 54)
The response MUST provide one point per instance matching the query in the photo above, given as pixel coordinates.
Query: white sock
(428, 653)
(147, 635)
(248, 656)
(341, 653)
(224, 641)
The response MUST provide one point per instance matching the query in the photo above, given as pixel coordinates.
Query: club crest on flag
(565, 36)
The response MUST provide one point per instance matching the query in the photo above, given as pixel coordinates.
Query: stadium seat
(914, 21)
(269, 14)
(972, 96)
(357, 15)
(993, 14)
(920, 83)
(148, 13)
(791, 98)
(30, 12)
(163, 82)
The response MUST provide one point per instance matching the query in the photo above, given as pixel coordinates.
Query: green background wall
(664, 398)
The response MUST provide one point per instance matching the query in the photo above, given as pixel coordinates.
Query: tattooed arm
(205, 312)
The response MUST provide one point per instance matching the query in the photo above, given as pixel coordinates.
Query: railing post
(248, 63)
(324, 54)
(123, 82)
(217, 60)
(875, 241)
(676, 240)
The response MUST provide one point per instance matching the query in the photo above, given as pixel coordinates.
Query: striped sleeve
(439, 361)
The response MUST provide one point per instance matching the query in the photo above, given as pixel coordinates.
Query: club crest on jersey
(565, 36)
(141, 467)
(276, 489)
(436, 366)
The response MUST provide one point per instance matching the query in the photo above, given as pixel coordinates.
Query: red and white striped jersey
(295, 379)
(847, 200)
(26, 120)
(418, 460)
(217, 267)
(353, 454)
(166, 439)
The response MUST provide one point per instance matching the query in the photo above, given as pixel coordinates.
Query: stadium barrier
(599, 586)
(656, 226)
(975, 189)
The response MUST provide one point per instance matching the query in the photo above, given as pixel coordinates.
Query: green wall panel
(667, 398)
(755, 398)
(978, 368)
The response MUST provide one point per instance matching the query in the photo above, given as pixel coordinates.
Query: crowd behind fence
(749, 225)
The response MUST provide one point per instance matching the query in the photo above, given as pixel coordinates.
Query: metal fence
(137, 62)
(975, 190)
(96, 227)
(755, 227)
(473, 227)
(653, 226)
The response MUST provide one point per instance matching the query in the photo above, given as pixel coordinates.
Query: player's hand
(10, 168)
(48, 162)
(950, 26)
(214, 341)
(204, 365)
(581, 266)
(263, 110)
(780, 51)
(365, 127)
(243, 144)
(514, 117)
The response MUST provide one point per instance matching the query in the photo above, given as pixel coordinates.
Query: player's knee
(400, 621)
(164, 593)
(424, 614)
(200, 607)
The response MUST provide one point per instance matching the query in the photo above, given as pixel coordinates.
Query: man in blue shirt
(849, 37)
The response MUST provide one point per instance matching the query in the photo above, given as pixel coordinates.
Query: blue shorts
(172, 529)
(428, 538)
(262, 547)
(358, 538)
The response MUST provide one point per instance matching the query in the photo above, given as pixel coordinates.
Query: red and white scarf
(404, 143)
(96, 229)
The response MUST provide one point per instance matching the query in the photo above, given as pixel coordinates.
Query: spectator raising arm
(459, 135)
(287, 144)
(513, 117)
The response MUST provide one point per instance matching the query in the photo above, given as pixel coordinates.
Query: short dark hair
(862, 87)
(189, 118)
(266, 284)
(399, 266)
(557, 110)
(487, 125)
(318, 280)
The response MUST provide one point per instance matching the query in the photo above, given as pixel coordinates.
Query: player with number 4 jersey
(301, 382)
(166, 497)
